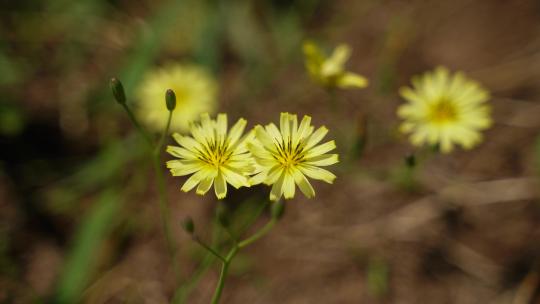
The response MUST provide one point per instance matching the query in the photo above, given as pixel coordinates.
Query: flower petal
(220, 186)
(318, 173)
(303, 184)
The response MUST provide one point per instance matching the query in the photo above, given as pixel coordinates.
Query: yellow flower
(195, 90)
(445, 110)
(287, 155)
(213, 156)
(330, 71)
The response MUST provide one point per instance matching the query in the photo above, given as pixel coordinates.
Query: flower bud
(170, 100)
(410, 160)
(278, 208)
(188, 225)
(118, 90)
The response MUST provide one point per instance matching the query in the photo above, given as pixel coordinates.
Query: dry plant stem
(156, 161)
(232, 253)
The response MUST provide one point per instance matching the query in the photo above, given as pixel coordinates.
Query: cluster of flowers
(442, 110)
(279, 157)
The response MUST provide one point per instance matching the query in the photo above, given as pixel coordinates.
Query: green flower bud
(410, 160)
(188, 225)
(118, 90)
(170, 100)
(278, 208)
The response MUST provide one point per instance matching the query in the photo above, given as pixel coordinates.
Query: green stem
(161, 141)
(163, 198)
(232, 253)
(139, 128)
(223, 274)
(259, 234)
(210, 250)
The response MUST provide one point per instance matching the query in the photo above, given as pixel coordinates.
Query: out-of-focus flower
(445, 110)
(287, 155)
(195, 90)
(213, 155)
(330, 71)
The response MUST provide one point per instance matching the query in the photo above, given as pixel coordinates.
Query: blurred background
(79, 215)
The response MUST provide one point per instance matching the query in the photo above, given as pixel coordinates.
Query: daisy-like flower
(287, 156)
(330, 71)
(195, 90)
(213, 155)
(445, 110)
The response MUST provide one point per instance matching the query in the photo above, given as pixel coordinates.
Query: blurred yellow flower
(287, 155)
(330, 71)
(213, 155)
(445, 110)
(195, 90)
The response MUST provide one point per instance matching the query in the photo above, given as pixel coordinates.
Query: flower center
(216, 153)
(289, 155)
(443, 111)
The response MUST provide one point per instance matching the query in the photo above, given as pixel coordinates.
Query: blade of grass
(82, 259)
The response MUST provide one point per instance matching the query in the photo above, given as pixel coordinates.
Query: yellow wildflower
(330, 71)
(195, 90)
(445, 110)
(213, 155)
(287, 155)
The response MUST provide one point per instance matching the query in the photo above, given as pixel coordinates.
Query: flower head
(330, 71)
(445, 110)
(287, 155)
(195, 91)
(213, 155)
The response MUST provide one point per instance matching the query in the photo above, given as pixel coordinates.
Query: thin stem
(234, 250)
(223, 274)
(163, 198)
(259, 234)
(164, 210)
(139, 128)
(160, 181)
(183, 291)
(161, 141)
(208, 248)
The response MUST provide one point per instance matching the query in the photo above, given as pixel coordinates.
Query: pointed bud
(410, 160)
(278, 208)
(222, 215)
(170, 100)
(118, 90)
(188, 225)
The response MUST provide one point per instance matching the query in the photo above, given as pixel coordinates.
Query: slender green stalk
(232, 253)
(223, 274)
(139, 128)
(155, 153)
(259, 234)
(210, 250)
(161, 141)
(163, 198)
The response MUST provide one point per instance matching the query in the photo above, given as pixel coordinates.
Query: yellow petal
(316, 137)
(351, 80)
(321, 149)
(288, 186)
(204, 186)
(277, 188)
(323, 160)
(317, 173)
(220, 186)
(303, 184)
